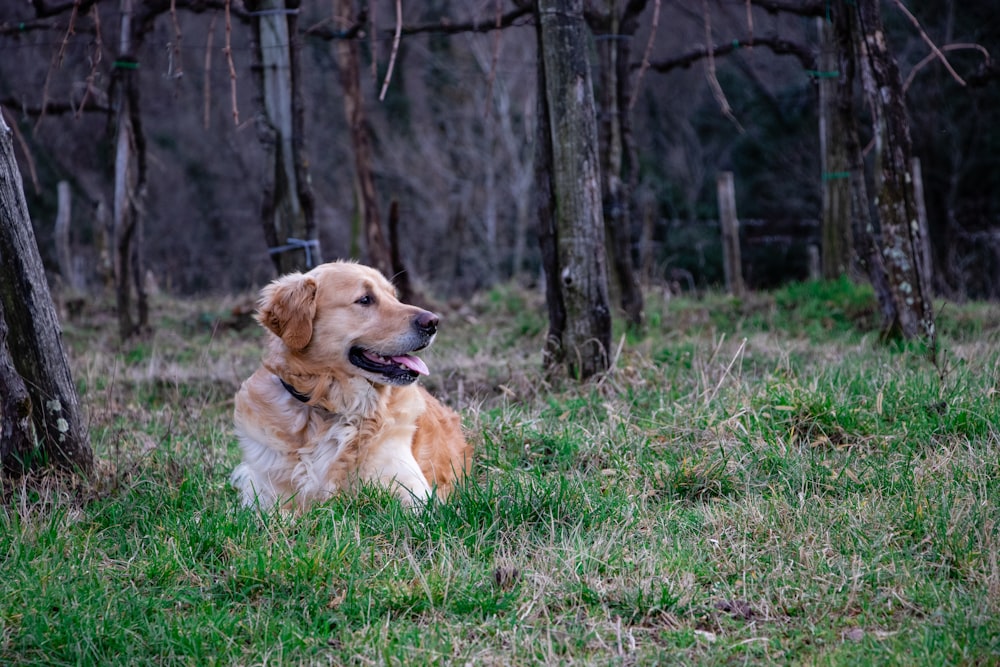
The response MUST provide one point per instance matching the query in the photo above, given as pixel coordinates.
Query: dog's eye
(366, 300)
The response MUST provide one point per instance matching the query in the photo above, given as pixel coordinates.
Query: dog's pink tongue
(415, 364)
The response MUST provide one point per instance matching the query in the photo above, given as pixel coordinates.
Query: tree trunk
(348, 62)
(129, 184)
(286, 207)
(35, 380)
(836, 235)
(902, 241)
(570, 193)
(400, 276)
(613, 56)
(863, 229)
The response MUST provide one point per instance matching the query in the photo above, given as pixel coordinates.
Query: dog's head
(343, 317)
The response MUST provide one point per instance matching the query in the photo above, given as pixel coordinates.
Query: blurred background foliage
(453, 143)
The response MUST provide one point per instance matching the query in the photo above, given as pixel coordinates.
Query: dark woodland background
(453, 143)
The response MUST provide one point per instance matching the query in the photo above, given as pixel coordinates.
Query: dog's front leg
(394, 468)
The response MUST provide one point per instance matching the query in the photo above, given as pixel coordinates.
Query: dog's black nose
(426, 323)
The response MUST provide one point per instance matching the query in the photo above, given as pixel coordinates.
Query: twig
(69, 32)
(750, 19)
(934, 48)
(725, 374)
(24, 149)
(373, 40)
(645, 55)
(57, 60)
(395, 49)
(777, 46)
(232, 68)
(442, 27)
(209, 39)
(175, 69)
(713, 80)
(95, 59)
(493, 61)
(931, 56)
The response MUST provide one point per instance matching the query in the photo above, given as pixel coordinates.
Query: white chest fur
(296, 454)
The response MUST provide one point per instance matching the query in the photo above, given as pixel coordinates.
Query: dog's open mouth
(396, 369)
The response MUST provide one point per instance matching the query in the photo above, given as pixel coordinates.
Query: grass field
(756, 482)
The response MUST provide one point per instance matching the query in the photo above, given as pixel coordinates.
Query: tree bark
(35, 380)
(287, 203)
(863, 230)
(902, 241)
(348, 62)
(570, 193)
(17, 434)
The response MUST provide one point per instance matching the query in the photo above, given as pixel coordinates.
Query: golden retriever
(335, 402)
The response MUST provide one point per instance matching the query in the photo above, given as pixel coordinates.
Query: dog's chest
(332, 442)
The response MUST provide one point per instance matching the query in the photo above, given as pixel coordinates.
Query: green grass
(757, 481)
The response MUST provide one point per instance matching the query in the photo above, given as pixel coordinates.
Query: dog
(335, 402)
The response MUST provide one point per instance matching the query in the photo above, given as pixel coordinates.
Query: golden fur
(341, 341)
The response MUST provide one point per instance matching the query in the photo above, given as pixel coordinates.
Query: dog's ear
(287, 307)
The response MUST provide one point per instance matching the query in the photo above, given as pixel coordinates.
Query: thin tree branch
(24, 149)
(778, 46)
(53, 108)
(798, 7)
(395, 50)
(644, 65)
(322, 31)
(228, 50)
(933, 56)
(207, 85)
(95, 59)
(494, 60)
(713, 80)
(935, 50)
(749, 18)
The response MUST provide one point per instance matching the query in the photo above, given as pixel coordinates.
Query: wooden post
(815, 266)
(837, 241)
(731, 259)
(61, 233)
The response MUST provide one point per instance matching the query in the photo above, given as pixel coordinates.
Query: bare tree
(902, 242)
(569, 194)
(40, 419)
(614, 29)
(287, 203)
(348, 62)
(129, 180)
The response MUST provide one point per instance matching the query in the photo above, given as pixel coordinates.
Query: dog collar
(294, 392)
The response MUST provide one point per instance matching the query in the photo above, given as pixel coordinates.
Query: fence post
(730, 234)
